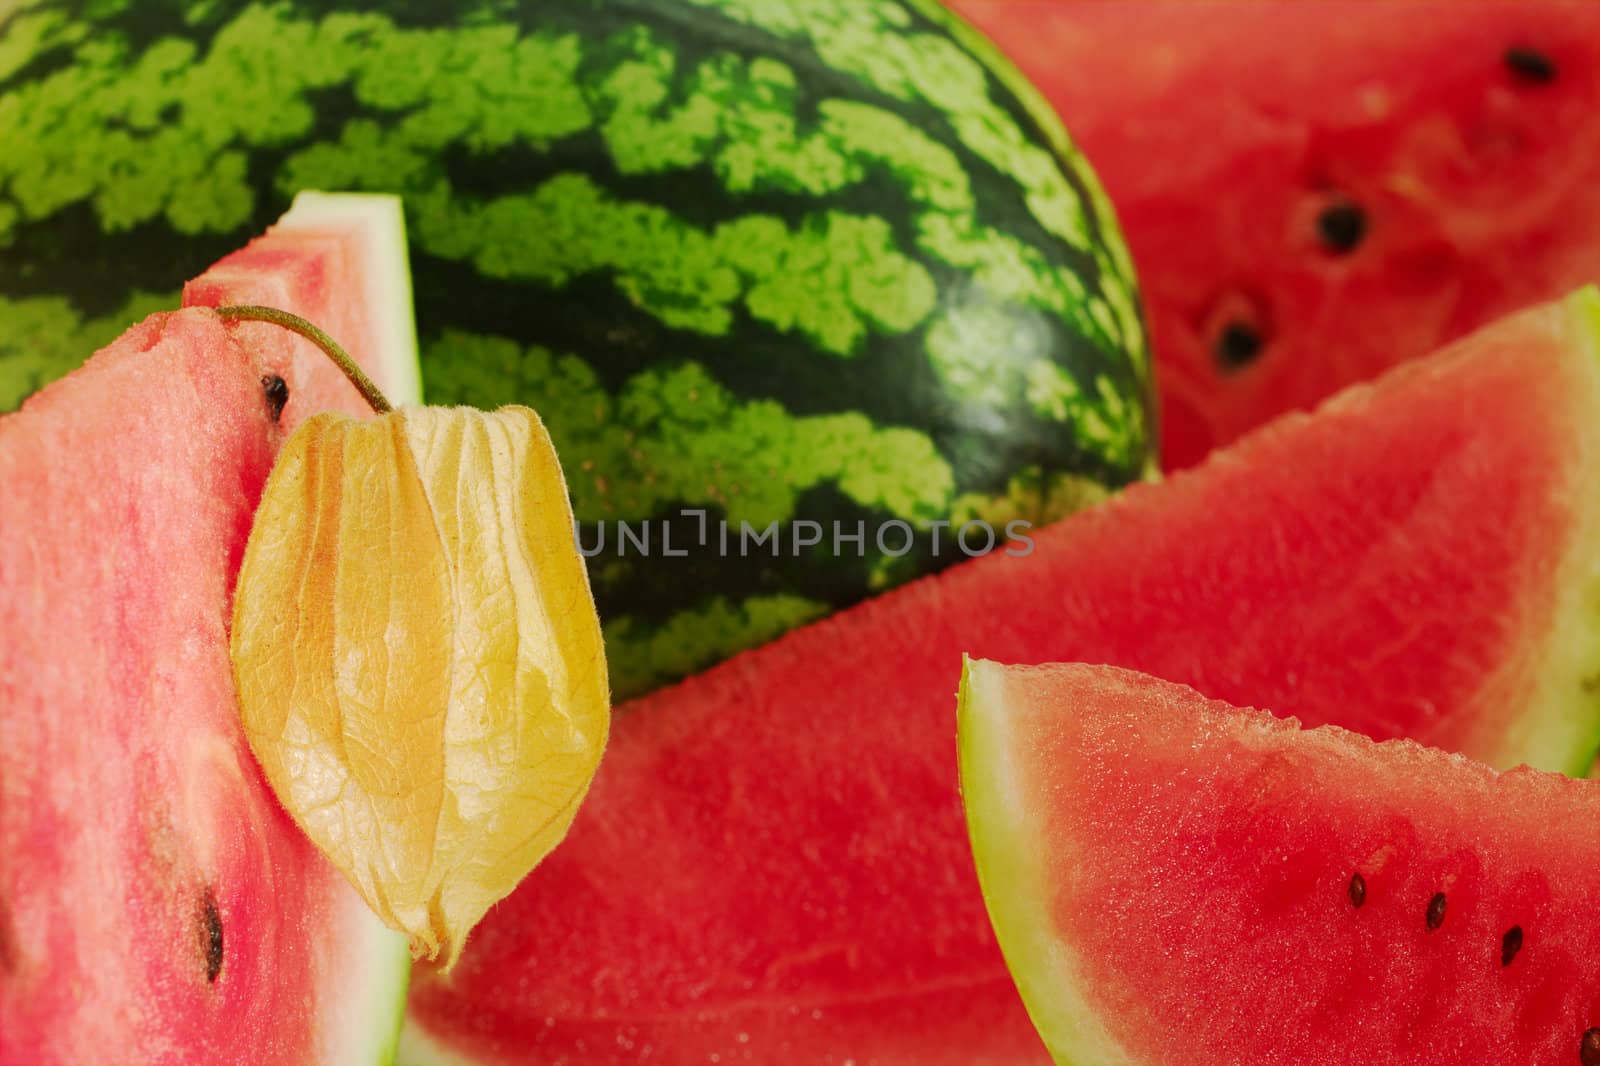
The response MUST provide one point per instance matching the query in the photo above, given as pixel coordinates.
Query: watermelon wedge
(1177, 881)
(338, 260)
(773, 861)
(156, 903)
(1316, 191)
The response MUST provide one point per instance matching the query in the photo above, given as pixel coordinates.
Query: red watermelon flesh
(156, 904)
(1178, 882)
(772, 865)
(1231, 136)
(339, 260)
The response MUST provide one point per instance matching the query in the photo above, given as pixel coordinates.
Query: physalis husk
(418, 657)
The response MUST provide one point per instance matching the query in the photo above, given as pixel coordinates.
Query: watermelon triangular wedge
(773, 860)
(1177, 882)
(156, 903)
(340, 261)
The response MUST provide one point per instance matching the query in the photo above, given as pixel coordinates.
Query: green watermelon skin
(1173, 880)
(822, 260)
(1476, 171)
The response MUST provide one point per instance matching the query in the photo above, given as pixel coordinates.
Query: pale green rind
(362, 1027)
(417, 1048)
(1560, 730)
(388, 287)
(1003, 823)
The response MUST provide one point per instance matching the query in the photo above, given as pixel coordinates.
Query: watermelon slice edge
(1174, 880)
(154, 896)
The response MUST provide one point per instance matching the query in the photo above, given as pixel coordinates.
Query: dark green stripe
(480, 272)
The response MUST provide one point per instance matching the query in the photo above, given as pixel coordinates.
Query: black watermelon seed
(277, 391)
(1341, 226)
(1510, 944)
(1358, 890)
(1238, 345)
(211, 935)
(1436, 911)
(1589, 1048)
(1530, 65)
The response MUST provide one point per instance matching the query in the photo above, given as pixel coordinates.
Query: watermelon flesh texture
(338, 259)
(1173, 880)
(1229, 135)
(155, 899)
(773, 863)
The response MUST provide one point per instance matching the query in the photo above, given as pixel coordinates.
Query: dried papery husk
(418, 656)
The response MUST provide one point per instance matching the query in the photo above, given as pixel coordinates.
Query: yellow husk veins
(418, 657)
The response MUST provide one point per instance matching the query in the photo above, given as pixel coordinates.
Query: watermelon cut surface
(339, 260)
(1177, 882)
(156, 903)
(1315, 191)
(773, 860)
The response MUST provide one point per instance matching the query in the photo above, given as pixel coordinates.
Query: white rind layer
(417, 1048)
(1011, 871)
(388, 287)
(362, 1028)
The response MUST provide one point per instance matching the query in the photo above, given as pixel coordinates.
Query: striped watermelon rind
(752, 258)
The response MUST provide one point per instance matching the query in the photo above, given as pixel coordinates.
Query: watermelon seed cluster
(1342, 226)
(1510, 946)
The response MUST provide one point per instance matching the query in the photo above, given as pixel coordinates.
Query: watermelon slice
(1176, 881)
(1315, 191)
(339, 260)
(773, 861)
(156, 904)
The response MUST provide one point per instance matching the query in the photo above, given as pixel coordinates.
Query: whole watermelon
(821, 263)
